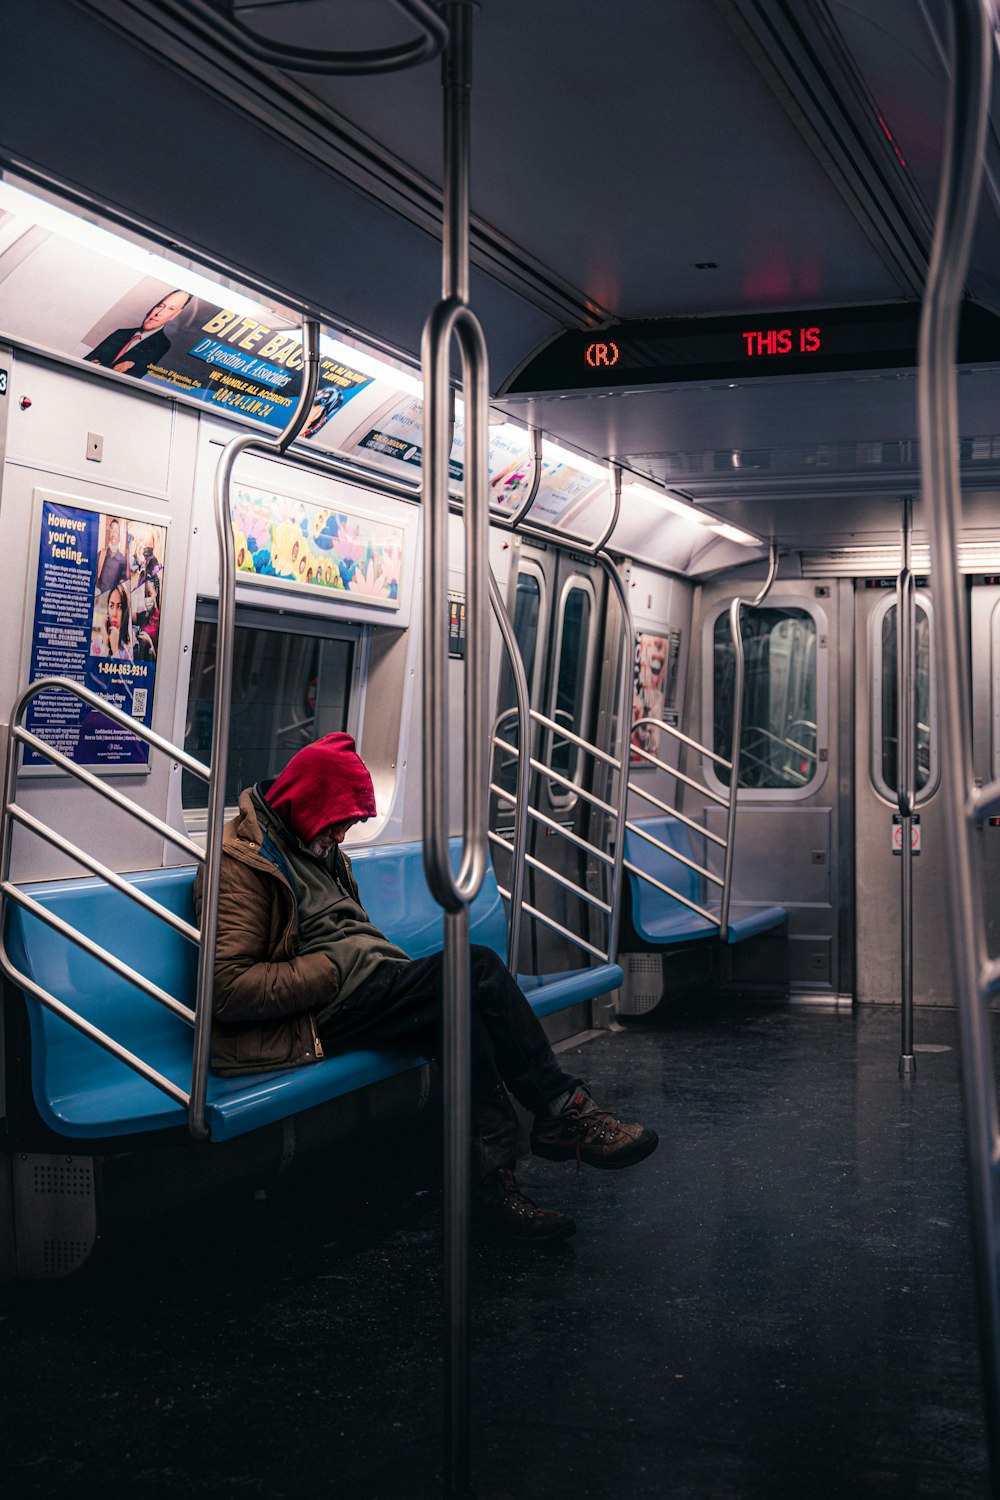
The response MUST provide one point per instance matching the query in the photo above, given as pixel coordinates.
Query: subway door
(791, 846)
(556, 604)
(985, 623)
(878, 957)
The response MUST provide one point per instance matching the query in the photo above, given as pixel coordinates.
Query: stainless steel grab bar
(221, 705)
(433, 37)
(906, 777)
(937, 405)
(453, 318)
(521, 712)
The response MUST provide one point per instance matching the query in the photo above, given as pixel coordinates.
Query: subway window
(885, 701)
(526, 623)
(780, 737)
(570, 696)
(291, 684)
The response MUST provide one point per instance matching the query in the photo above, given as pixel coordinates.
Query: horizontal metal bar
(558, 927)
(569, 885)
(576, 739)
(92, 1032)
(985, 802)
(500, 791)
(699, 828)
(674, 854)
(680, 776)
(117, 966)
(676, 895)
(109, 793)
(543, 770)
(133, 892)
(504, 745)
(720, 760)
(573, 838)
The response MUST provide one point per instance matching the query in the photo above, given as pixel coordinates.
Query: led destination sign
(662, 351)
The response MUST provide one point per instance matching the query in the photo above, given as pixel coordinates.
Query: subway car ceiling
(761, 161)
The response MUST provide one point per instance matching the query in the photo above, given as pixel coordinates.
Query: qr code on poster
(139, 703)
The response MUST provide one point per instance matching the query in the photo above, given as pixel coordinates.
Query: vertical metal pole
(455, 68)
(221, 703)
(452, 316)
(937, 405)
(455, 1059)
(906, 778)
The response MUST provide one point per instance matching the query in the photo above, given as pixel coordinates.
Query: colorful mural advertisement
(96, 620)
(293, 541)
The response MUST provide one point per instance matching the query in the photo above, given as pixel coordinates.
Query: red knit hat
(327, 782)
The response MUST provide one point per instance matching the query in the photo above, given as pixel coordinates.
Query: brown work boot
(502, 1211)
(584, 1133)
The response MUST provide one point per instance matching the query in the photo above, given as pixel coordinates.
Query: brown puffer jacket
(266, 992)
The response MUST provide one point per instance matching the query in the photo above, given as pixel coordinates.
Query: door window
(885, 701)
(780, 738)
(571, 694)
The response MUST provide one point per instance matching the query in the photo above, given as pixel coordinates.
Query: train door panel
(985, 631)
(877, 936)
(790, 804)
(556, 604)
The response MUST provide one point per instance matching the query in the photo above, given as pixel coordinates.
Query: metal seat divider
(967, 117)
(557, 828)
(13, 813)
(683, 859)
(699, 828)
(680, 775)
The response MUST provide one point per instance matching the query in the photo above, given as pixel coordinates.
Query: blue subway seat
(660, 919)
(83, 1091)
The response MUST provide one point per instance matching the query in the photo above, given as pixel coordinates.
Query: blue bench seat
(83, 1091)
(659, 919)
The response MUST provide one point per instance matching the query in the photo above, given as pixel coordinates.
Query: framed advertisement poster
(95, 618)
(654, 687)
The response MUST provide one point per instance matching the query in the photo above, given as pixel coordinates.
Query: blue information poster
(96, 621)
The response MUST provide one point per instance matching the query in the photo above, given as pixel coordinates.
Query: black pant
(402, 1002)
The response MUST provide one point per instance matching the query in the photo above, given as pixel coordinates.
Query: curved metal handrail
(937, 405)
(736, 635)
(624, 737)
(906, 778)
(513, 521)
(521, 711)
(433, 38)
(221, 706)
(453, 317)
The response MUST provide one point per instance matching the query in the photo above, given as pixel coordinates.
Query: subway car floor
(777, 1303)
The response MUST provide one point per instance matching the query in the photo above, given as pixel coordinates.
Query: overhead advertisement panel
(72, 300)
